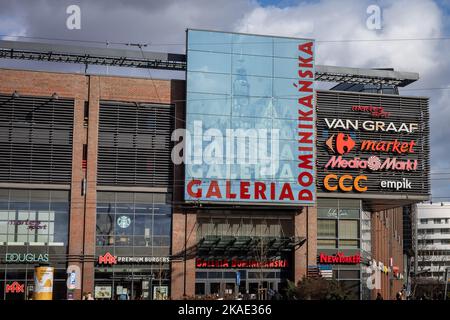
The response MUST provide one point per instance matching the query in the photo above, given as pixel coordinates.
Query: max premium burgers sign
(372, 144)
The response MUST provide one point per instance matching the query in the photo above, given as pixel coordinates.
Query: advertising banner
(372, 144)
(250, 119)
(43, 283)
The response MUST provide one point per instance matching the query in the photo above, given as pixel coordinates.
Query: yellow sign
(43, 283)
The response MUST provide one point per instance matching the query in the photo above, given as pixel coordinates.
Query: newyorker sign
(339, 258)
(250, 132)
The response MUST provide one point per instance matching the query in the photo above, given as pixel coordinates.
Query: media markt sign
(250, 119)
(26, 257)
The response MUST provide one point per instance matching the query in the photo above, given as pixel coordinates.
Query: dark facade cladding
(36, 139)
(361, 133)
(87, 183)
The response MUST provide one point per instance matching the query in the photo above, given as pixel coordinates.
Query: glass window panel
(208, 122)
(286, 47)
(4, 214)
(42, 238)
(348, 274)
(161, 225)
(105, 197)
(209, 82)
(60, 196)
(284, 89)
(348, 229)
(326, 243)
(19, 195)
(209, 62)
(285, 108)
(209, 41)
(4, 195)
(23, 215)
(3, 238)
(208, 103)
(253, 45)
(288, 128)
(348, 243)
(143, 225)
(40, 196)
(327, 212)
(246, 65)
(285, 68)
(253, 107)
(252, 86)
(44, 215)
(326, 228)
(348, 213)
(3, 226)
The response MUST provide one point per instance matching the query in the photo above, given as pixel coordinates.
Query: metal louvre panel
(134, 144)
(337, 105)
(35, 139)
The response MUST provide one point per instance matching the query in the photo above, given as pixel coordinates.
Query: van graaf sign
(358, 153)
(254, 159)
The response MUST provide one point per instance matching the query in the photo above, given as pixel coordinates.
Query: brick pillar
(184, 235)
(305, 226)
(91, 185)
(76, 223)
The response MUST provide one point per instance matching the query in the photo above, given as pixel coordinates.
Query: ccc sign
(346, 183)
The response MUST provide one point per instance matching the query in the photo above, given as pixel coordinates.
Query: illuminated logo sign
(373, 163)
(238, 263)
(369, 125)
(110, 259)
(123, 222)
(339, 258)
(333, 182)
(242, 147)
(107, 258)
(388, 146)
(15, 287)
(375, 111)
(395, 184)
(26, 257)
(340, 143)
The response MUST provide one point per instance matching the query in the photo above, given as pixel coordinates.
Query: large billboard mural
(371, 144)
(250, 119)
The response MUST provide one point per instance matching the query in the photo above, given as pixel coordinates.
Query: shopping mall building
(238, 179)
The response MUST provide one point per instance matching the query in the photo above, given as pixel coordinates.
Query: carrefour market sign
(250, 119)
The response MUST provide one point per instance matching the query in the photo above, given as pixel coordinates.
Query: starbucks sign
(123, 222)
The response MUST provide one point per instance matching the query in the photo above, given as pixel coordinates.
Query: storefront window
(33, 223)
(133, 225)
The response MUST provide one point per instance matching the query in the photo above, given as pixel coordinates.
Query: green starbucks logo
(123, 222)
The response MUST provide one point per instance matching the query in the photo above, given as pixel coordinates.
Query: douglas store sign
(26, 257)
(360, 154)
